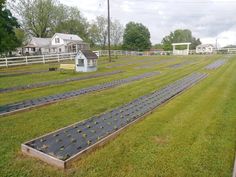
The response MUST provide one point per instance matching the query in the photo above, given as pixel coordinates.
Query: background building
(205, 49)
(59, 43)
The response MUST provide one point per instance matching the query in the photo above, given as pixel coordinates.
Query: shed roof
(89, 54)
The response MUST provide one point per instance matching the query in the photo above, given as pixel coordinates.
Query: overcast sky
(207, 19)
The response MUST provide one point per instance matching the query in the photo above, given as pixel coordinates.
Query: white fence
(24, 60)
(133, 53)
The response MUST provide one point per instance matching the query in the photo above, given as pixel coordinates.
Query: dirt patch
(160, 140)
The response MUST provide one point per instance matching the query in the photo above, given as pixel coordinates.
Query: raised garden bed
(49, 83)
(62, 147)
(27, 104)
(180, 65)
(22, 73)
(216, 64)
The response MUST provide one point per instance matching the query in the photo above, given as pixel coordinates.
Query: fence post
(6, 62)
(71, 56)
(26, 60)
(58, 58)
(43, 59)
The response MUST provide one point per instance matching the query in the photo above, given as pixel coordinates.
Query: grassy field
(192, 135)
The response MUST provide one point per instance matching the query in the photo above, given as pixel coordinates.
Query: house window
(57, 40)
(80, 62)
(33, 49)
(59, 49)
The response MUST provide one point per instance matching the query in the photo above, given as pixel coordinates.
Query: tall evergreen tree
(8, 39)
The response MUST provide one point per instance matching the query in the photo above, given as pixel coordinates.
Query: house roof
(39, 42)
(89, 54)
(68, 37)
(205, 45)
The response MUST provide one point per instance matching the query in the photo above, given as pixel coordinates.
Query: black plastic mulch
(216, 64)
(72, 140)
(22, 105)
(59, 82)
(3, 74)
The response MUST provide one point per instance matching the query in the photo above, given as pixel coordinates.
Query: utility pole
(108, 30)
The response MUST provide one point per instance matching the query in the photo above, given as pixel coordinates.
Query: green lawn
(192, 135)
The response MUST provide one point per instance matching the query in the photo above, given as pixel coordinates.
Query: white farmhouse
(38, 46)
(59, 43)
(86, 61)
(205, 49)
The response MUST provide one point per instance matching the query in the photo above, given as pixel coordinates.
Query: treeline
(43, 18)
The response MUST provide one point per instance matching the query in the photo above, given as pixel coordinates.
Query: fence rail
(25, 60)
(37, 59)
(133, 53)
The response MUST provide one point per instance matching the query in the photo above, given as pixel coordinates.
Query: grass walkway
(192, 135)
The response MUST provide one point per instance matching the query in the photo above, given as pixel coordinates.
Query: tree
(194, 43)
(70, 21)
(8, 39)
(94, 35)
(117, 31)
(136, 37)
(158, 47)
(21, 36)
(179, 36)
(43, 18)
(98, 32)
(100, 27)
(36, 16)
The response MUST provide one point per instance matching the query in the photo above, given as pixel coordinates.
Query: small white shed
(86, 61)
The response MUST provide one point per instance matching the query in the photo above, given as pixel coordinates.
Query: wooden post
(43, 59)
(58, 58)
(71, 57)
(6, 62)
(174, 50)
(187, 49)
(26, 60)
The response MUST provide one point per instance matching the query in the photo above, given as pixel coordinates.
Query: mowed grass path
(192, 135)
(6, 98)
